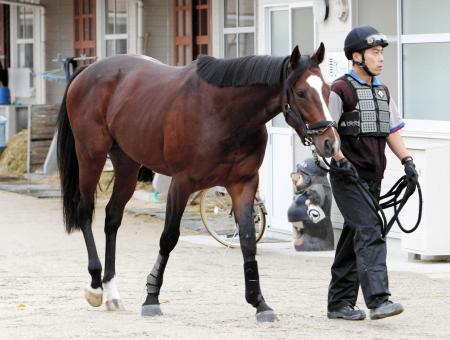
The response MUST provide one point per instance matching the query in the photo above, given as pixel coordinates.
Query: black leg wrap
(252, 290)
(155, 278)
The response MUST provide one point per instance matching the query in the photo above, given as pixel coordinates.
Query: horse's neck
(258, 105)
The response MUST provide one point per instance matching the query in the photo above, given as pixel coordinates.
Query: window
(116, 27)
(84, 29)
(239, 28)
(425, 67)
(25, 41)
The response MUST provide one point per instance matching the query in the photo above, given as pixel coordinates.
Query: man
(367, 120)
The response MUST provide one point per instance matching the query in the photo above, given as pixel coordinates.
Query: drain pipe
(43, 93)
(140, 27)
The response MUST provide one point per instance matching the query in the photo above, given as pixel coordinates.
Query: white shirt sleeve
(396, 121)
(335, 106)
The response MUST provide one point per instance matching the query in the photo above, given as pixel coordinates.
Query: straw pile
(13, 160)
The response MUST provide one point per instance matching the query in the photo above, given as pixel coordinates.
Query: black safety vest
(371, 116)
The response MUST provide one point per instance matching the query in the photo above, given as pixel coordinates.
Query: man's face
(374, 59)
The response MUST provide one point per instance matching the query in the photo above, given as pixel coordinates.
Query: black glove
(347, 168)
(411, 174)
(410, 170)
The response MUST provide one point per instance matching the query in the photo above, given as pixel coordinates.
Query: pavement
(43, 272)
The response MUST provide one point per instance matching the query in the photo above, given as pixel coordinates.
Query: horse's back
(129, 97)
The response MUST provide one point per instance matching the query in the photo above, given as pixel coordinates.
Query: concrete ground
(43, 272)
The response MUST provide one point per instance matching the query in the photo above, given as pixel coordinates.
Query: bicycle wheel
(217, 216)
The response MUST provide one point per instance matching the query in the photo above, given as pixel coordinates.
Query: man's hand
(410, 170)
(345, 165)
(411, 175)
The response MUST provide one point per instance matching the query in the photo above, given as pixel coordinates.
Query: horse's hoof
(114, 305)
(94, 296)
(151, 310)
(266, 316)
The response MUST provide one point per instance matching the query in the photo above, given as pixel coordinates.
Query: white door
(285, 29)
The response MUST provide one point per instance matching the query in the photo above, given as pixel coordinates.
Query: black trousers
(361, 252)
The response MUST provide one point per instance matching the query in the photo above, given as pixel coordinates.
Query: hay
(13, 160)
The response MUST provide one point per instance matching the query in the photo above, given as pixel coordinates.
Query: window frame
(38, 85)
(268, 9)
(115, 36)
(418, 127)
(237, 30)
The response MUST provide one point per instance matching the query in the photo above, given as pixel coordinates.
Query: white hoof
(114, 305)
(93, 296)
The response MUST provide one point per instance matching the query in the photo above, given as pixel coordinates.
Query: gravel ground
(43, 272)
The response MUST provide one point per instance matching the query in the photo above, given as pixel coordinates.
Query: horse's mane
(245, 71)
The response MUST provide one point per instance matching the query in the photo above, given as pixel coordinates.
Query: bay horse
(202, 124)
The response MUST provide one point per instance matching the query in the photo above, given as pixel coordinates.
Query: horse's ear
(295, 57)
(320, 54)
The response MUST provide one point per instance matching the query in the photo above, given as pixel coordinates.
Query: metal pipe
(140, 27)
(43, 98)
(17, 3)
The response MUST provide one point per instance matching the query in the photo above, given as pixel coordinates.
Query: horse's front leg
(179, 191)
(243, 194)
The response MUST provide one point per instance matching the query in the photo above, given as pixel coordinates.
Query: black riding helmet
(361, 38)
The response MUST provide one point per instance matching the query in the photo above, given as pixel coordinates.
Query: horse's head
(305, 101)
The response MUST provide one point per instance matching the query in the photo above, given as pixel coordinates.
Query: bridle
(306, 131)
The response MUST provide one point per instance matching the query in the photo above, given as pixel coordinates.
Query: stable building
(34, 33)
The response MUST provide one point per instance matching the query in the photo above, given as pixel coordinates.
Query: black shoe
(347, 313)
(386, 309)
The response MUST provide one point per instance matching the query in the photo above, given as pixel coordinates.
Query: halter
(307, 131)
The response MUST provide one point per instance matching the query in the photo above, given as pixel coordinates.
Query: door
(192, 30)
(286, 27)
(84, 29)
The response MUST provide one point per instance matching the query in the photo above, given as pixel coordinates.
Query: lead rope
(392, 197)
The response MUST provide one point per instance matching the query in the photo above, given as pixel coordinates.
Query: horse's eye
(301, 94)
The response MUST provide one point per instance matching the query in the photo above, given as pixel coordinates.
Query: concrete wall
(59, 39)
(158, 41)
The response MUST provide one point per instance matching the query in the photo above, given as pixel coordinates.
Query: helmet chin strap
(363, 65)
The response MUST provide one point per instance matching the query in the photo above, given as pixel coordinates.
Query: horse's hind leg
(179, 191)
(90, 168)
(243, 194)
(126, 172)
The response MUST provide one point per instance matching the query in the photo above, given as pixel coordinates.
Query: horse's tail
(68, 164)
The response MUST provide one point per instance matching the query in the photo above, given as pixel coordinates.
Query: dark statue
(310, 211)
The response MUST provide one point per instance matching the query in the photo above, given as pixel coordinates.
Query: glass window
(425, 47)
(425, 17)
(246, 43)
(246, 13)
(279, 33)
(24, 23)
(303, 29)
(25, 55)
(230, 46)
(230, 13)
(116, 27)
(24, 40)
(382, 14)
(239, 28)
(425, 89)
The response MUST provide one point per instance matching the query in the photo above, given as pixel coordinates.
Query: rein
(307, 131)
(391, 198)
